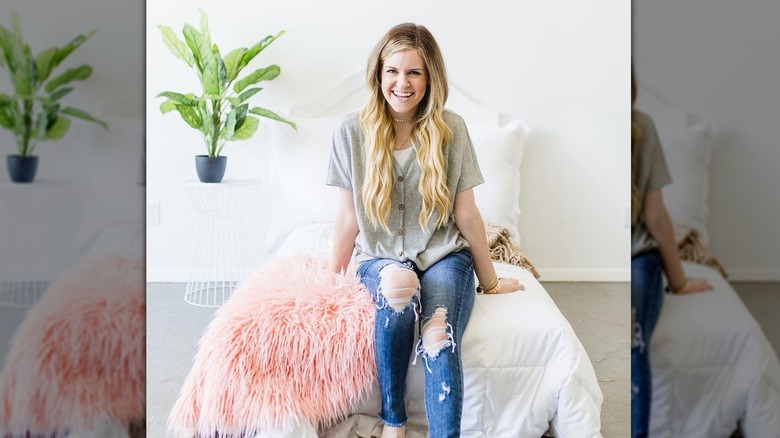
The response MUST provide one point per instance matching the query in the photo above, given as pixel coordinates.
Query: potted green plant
(220, 112)
(34, 111)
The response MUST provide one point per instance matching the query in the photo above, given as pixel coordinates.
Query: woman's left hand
(509, 285)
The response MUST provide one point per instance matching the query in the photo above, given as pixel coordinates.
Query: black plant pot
(22, 169)
(210, 169)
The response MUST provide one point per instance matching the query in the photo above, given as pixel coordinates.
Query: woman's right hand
(509, 284)
(694, 285)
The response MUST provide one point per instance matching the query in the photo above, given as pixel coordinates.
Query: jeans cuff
(392, 424)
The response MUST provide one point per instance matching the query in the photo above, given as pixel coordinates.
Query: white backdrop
(718, 59)
(561, 66)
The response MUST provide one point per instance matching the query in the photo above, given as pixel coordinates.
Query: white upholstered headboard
(299, 160)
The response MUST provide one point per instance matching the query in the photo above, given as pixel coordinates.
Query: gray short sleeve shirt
(652, 174)
(407, 240)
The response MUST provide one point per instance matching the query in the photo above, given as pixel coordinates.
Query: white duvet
(712, 367)
(525, 371)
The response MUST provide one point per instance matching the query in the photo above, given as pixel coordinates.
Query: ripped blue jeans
(440, 299)
(646, 299)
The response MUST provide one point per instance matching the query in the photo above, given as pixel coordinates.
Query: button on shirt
(407, 240)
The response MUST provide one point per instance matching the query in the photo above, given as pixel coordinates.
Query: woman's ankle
(393, 432)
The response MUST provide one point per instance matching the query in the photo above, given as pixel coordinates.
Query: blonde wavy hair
(636, 136)
(430, 134)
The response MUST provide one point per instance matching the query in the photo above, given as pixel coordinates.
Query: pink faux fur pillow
(293, 344)
(77, 359)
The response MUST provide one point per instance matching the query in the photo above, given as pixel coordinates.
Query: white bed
(525, 370)
(713, 368)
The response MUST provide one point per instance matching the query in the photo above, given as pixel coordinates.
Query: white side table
(222, 257)
(39, 227)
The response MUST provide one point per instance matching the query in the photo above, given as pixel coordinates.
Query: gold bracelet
(482, 289)
(675, 290)
(495, 288)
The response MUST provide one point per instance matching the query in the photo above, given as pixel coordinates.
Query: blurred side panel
(72, 305)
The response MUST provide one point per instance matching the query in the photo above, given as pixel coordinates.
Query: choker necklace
(402, 120)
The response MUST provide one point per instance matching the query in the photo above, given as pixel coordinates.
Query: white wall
(562, 66)
(719, 60)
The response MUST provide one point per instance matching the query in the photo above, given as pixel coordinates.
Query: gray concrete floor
(598, 312)
(763, 301)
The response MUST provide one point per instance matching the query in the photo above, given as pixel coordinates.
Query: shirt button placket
(400, 231)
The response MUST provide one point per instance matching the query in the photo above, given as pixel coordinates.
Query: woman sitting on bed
(406, 169)
(653, 252)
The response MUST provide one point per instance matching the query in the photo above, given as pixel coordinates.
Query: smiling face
(404, 82)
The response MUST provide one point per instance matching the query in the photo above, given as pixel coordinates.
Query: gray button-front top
(407, 240)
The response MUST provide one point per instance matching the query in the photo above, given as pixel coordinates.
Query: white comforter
(524, 368)
(712, 366)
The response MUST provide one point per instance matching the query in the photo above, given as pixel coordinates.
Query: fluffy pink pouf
(294, 343)
(77, 359)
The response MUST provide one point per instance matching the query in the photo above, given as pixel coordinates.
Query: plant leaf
(235, 120)
(248, 93)
(25, 73)
(214, 75)
(57, 95)
(43, 62)
(168, 106)
(234, 101)
(75, 112)
(52, 112)
(230, 125)
(9, 47)
(58, 129)
(39, 128)
(177, 46)
(190, 115)
(67, 49)
(178, 97)
(231, 63)
(6, 119)
(204, 28)
(247, 130)
(201, 50)
(74, 74)
(262, 74)
(250, 54)
(271, 115)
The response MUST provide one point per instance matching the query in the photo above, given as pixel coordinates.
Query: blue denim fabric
(646, 299)
(448, 284)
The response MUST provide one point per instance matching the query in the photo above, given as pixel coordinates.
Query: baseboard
(752, 274)
(167, 275)
(585, 275)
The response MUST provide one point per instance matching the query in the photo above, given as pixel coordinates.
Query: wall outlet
(152, 213)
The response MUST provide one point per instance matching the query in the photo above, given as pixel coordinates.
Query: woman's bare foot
(393, 432)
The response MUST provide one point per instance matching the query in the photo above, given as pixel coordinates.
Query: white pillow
(500, 155)
(298, 168)
(299, 162)
(688, 150)
(687, 144)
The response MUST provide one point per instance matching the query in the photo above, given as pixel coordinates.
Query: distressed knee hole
(434, 333)
(637, 337)
(398, 286)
